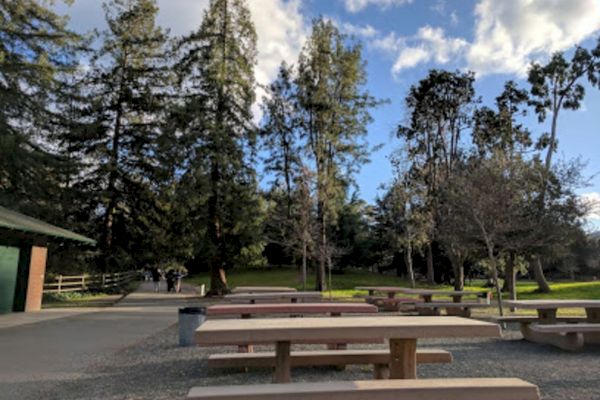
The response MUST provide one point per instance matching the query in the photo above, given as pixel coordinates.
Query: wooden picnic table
(390, 291)
(262, 289)
(293, 297)
(402, 332)
(248, 310)
(426, 305)
(456, 295)
(425, 294)
(550, 330)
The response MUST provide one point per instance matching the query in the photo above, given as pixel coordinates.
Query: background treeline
(148, 143)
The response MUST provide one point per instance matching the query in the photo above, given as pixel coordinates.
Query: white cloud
(509, 34)
(592, 200)
(366, 31)
(355, 6)
(428, 44)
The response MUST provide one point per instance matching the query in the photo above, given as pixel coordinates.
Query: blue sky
(403, 39)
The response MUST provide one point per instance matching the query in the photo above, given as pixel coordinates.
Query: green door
(9, 266)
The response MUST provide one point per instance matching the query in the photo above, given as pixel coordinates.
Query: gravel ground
(157, 368)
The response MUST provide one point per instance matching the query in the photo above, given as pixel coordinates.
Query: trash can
(190, 318)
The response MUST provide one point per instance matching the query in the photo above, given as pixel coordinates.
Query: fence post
(59, 283)
(83, 282)
(103, 284)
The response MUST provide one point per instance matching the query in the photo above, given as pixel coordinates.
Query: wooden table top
(290, 308)
(274, 295)
(262, 289)
(215, 332)
(552, 304)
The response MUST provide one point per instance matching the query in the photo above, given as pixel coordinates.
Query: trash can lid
(192, 310)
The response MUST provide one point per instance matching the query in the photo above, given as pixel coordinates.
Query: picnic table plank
(402, 332)
(425, 389)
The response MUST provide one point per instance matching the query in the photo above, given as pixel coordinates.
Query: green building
(23, 254)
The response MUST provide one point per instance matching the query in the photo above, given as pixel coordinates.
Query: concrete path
(37, 355)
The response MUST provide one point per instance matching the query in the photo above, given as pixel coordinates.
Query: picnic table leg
(593, 317)
(457, 298)
(547, 316)
(283, 366)
(403, 358)
(246, 348)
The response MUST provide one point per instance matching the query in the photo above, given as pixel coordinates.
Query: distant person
(154, 271)
(179, 275)
(170, 277)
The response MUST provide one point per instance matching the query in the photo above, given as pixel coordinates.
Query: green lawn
(343, 285)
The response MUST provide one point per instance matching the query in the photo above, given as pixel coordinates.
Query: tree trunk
(320, 278)
(510, 277)
(218, 279)
(538, 273)
(494, 266)
(304, 256)
(409, 265)
(459, 272)
(430, 272)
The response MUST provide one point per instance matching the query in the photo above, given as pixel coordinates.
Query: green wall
(9, 267)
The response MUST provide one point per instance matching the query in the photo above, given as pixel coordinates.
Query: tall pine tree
(119, 133)
(217, 77)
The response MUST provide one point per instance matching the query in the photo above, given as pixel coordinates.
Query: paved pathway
(51, 346)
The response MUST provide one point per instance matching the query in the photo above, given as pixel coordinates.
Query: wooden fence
(80, 283)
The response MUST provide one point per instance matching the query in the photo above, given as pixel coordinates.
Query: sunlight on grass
(344, 284)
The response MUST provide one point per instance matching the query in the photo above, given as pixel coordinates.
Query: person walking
(155, 278)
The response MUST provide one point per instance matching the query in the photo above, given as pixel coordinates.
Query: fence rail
(80, 283)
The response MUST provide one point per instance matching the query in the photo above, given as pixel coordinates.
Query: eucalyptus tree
(499, 131)
(334, 113)
(439, 108)
(216, 72)
(555, 86)
(36, 51)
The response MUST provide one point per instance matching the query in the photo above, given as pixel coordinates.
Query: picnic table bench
(262, 289)
(402, 333)
(379, 358)
(567, 333)
(293, 297)
(424, 389)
